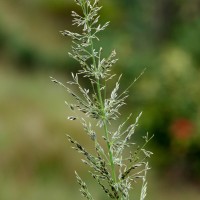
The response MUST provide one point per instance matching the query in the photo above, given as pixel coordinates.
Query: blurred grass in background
(162, 35)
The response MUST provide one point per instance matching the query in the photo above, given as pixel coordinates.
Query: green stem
(101, 101)
(106, 133)
(104, 117)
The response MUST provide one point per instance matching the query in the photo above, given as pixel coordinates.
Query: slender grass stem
(101, 101)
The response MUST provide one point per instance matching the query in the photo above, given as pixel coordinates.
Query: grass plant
(117, 165)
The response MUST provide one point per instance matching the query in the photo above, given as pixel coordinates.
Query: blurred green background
(36, 161)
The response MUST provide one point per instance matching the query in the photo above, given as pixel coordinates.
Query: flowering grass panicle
(117, 165)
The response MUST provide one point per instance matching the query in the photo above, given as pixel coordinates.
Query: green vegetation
(118, 166)
(160, 35)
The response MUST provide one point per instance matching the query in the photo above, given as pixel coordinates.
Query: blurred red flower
(182, 129)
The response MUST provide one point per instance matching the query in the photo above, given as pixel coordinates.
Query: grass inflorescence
(120, 163)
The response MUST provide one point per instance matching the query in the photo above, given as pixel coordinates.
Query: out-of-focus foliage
(162, 35)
